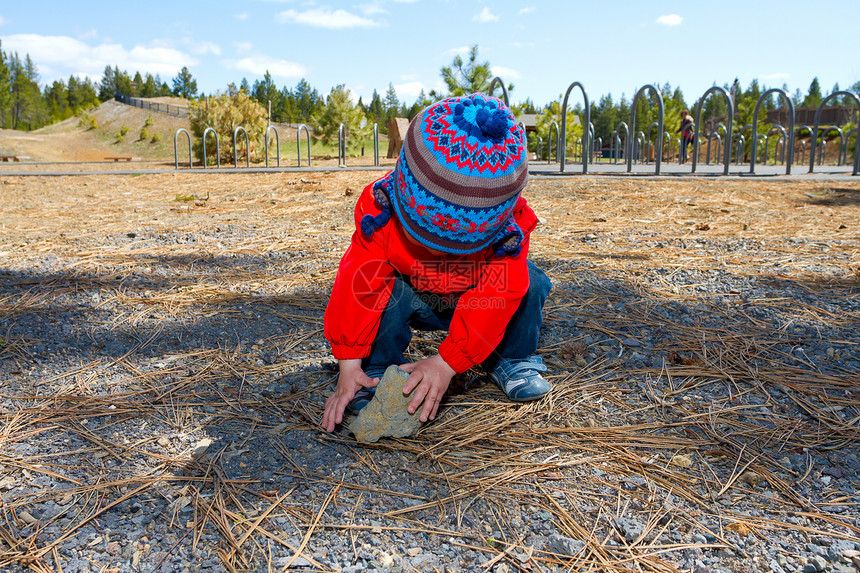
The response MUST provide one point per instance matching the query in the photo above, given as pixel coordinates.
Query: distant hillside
(68, 141)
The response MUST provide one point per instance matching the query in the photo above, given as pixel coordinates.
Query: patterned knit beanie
(458, 178)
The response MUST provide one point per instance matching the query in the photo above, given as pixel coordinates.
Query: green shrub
(120, 137)
(144, 133)
(148, 121)
(224, 113)
(88, 121)
(124, 130)
(156, 137)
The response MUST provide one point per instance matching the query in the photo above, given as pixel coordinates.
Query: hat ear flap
(369, 223)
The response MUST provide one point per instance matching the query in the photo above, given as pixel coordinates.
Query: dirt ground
(143, 315)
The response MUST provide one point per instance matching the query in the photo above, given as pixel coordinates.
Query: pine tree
(5, 87)
(466, 77)
(184, 85)
(339, 110)
(813, 97)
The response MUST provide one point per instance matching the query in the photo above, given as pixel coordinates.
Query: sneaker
(521, 380)
(364, 395)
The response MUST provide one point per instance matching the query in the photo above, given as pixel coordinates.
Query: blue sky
(539, 46)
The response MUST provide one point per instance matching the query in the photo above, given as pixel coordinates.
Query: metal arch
(798, 131)
(341, 145)
(375, 144)
(549, 142)
(731, 113)
(613, 142)
(563, 137)
(741, 145)
(493, 82)
(754, 137)
(176, 149)
(712, 136)
(824, 132)
(767, 136)
(779, 140)
(626, 137)
(856, 132)
(217, 146)
(640, 141)
(818, 123)
(277, 145)
(715, 133)
(668, 142)
(648, 142)
(299, 142)
(633, 107)
(236, 150)
(591, 147)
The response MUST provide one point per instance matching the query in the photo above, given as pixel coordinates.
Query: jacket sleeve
(483, 312)
(361, 290)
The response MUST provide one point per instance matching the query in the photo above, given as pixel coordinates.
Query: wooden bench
(118, 158)
(15, 158)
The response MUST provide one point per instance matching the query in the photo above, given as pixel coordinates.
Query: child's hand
(350, 379)
(432, 376)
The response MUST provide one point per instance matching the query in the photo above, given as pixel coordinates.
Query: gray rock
(629, 528)
(566, 546)
(386, 415)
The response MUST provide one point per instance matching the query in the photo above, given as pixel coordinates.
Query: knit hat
(458, 178)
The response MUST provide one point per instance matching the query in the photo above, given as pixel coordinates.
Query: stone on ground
(386, 415)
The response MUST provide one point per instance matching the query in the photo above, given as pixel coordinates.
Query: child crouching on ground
(441, 244)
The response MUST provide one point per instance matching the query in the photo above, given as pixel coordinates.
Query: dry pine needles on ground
(164, 367)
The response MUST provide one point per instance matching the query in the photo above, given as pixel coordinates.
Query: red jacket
(491, 286)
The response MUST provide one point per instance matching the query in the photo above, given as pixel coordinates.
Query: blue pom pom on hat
(458, 177)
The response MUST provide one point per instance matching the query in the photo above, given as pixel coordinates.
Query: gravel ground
(164, 371)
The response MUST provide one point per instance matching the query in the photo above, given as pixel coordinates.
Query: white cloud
(408, 92)
(372, 9)
(56, 56)
(88, 35)
(243, 47)
(526, 10)
(485, 16)
(203, 48)
(326, 18)
(670, 20)
(241, 17)
(259, 64)
(507, 74)
(459, 51)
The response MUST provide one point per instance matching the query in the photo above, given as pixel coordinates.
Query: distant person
(441, 243)
(686, 131)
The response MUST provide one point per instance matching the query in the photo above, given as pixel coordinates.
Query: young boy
(441, 244)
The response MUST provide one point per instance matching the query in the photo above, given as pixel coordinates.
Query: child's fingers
(413, 381)
(430, 404)
(408, 367)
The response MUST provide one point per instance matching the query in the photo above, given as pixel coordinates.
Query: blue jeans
(408, 308)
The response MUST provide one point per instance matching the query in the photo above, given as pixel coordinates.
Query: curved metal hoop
(633, 107)
(277, 145)
(754, 137)
(563, 144)
(247, 148)
(207, 131)
(176, 148)
(492, 86)
(727, 147)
